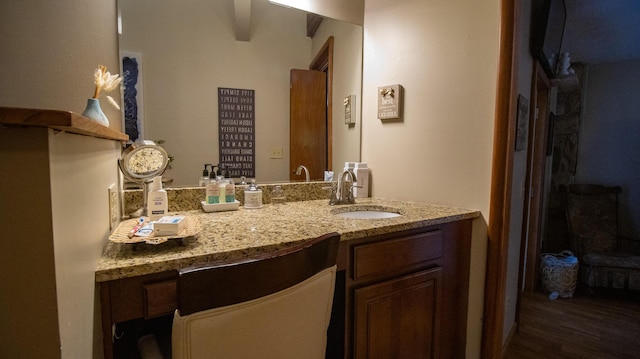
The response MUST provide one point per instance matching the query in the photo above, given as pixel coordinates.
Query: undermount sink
(366, 212)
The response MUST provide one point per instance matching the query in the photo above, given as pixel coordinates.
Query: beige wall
(50, 50)
(347, 57)
(28, 299)
(445, 56)
(48, 55)
(82, 170)
(55, 230)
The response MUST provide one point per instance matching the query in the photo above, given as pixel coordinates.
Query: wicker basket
(559, 273)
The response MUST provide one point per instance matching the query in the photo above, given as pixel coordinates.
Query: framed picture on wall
(522, 123)
(132, 103)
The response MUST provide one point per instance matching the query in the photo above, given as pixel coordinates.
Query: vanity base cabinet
(398, 318)
(406, 293)
(398, 295)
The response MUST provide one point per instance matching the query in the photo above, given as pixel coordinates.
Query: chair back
(276, 305)
(592, 217)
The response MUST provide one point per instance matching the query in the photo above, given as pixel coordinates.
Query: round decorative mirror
(141, 162)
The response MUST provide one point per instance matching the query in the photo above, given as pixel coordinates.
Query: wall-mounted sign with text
(390, 102)
(237, 128)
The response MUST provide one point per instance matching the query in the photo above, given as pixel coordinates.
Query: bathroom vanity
(402, 283)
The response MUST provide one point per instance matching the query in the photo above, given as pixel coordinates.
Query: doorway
(534, 190)
(310, 136)
(536, 174)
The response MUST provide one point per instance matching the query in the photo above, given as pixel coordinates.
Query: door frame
(534, 200)
(501, 185)
(536, 166)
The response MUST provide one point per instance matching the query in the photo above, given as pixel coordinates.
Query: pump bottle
(157, 203)
(212, 191)
(202, 182)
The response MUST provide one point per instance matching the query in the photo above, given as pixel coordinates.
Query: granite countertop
(239, 234)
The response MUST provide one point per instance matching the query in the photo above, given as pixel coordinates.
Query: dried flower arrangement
(105, 82)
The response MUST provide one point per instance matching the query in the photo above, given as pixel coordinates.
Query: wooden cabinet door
(398, 318)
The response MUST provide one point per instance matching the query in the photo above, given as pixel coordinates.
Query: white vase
(94, 112)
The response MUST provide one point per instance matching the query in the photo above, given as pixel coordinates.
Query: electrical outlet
(276, 152)
(113, 206)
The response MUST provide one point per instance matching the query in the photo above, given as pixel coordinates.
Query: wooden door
(308, 123)
(398, 318)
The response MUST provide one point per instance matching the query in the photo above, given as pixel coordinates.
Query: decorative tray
(122, 233)
(220, 207)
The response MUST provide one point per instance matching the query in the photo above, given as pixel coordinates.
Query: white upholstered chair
(273, 306)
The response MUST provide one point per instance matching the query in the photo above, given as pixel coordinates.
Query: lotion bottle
(157, 203)
(212, 191)
(230, 191)
(362, 180)
(222, 188)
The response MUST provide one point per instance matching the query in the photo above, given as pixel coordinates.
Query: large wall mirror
(188, 49)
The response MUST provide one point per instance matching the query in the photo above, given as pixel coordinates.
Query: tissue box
(169, 226)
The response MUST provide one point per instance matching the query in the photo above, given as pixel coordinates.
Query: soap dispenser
(202, 182)
(157, 203)
(222, 186)
(212, 191)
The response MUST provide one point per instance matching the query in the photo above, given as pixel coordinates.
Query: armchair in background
(607, 259)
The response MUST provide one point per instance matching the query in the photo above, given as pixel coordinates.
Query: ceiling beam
(242, 9)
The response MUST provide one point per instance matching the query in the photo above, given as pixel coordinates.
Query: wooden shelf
(66, 121)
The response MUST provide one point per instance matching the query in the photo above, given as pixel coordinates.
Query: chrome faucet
(306, 172)
(344, 192)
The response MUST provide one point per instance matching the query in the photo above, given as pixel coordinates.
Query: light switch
(350, 110)
(276, 152)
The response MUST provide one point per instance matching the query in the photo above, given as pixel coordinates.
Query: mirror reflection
(146, 161)
(186, 51)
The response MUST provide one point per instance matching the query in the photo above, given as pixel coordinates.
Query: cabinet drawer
(395, 255)
(142, 296)
(160, 298)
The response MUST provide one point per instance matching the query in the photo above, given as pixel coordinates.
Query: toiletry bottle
(362, 180)
(230, 191)
(222, 189)
(349, 166)
(157, 204)
(253, 196)
(205, 177)
(212, 191)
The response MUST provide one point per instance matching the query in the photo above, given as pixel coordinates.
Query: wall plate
(276, 152)
(113, 206)
(350, 110)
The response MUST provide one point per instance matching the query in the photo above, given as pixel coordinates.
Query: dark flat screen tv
(547, 30)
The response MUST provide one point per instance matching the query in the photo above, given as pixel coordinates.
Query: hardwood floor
(603, 325)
